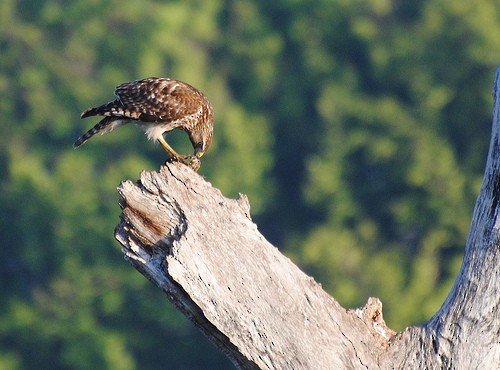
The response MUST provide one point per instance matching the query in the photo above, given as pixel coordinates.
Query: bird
(158, 105)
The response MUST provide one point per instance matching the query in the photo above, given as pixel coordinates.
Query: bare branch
(207, 256)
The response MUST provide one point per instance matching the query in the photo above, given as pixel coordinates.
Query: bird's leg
(171, 152)
(192, 161)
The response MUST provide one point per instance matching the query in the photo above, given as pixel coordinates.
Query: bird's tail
(100, 110)
(105, 125)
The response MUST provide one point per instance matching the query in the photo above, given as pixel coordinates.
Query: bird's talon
(189, 160)
(194, 162)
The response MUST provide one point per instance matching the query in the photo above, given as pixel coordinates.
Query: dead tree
(205, 253)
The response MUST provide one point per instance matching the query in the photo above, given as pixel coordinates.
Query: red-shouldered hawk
(158, 105)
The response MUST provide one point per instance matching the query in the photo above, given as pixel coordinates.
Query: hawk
(158, 105)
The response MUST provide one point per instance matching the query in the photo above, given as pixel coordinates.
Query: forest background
(358, 129)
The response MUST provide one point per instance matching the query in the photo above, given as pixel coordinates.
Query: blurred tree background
(358, 129)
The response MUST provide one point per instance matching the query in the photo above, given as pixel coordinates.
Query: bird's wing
(157, 99)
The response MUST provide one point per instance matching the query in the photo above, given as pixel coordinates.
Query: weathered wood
(207, 256)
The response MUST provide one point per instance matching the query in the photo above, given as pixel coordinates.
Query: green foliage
(395, 184)
(357, 129)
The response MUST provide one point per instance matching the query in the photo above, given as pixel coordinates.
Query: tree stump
(208, 257)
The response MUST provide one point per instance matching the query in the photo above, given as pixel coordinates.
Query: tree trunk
(207, 256)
